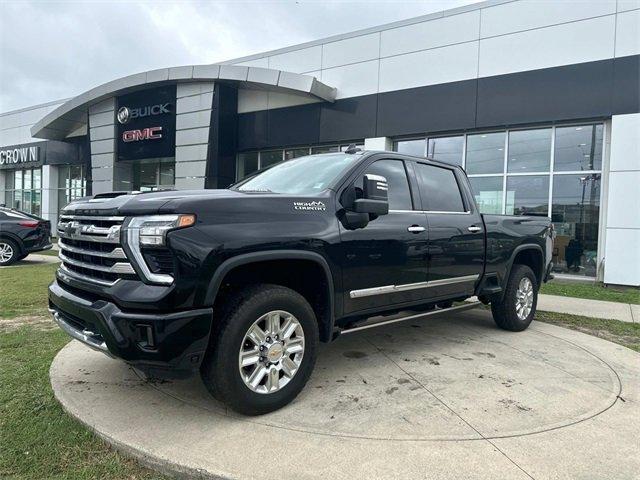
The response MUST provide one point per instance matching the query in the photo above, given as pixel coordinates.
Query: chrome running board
(417, 316)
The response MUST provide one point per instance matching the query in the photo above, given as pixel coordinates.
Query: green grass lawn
(595, 292)
(622, 333)
(38, 439)
(23, 289)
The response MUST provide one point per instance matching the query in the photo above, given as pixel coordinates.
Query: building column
(378, 143)
(193, 117)
(50, 195)
(103, 146)
(622, 203)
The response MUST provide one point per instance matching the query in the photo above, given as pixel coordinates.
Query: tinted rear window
(439, 189)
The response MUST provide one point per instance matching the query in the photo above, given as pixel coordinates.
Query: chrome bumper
(90, 339)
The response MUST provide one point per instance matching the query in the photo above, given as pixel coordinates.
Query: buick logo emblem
(124, 115)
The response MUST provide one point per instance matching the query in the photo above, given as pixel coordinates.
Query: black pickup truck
(241, 284)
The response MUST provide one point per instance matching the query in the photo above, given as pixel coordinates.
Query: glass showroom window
(578, 148)
(411, 147)
(247, 164)
(72, 184)
(485, 153)
(250, 162)
(575, 210)
(528, 195)
(529, 151)
(446, 149)
(488, 192)
(24, 190)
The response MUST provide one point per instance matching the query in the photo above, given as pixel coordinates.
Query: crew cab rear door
(456, 231)
(385, 263)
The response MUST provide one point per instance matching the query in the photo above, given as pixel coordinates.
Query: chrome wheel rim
(271, 352)
(524, 298)
(6, 252)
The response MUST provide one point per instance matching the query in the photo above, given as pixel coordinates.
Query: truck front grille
(91, 250)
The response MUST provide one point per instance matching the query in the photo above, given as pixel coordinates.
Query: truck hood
(147, 203)
(202, 202)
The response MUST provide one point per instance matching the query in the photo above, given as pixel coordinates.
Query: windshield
(300, 176)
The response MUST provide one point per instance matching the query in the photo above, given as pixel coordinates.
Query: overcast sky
(51, 50)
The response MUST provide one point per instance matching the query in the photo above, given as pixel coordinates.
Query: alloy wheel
(6, 252)
(271, 352)
(524, 298)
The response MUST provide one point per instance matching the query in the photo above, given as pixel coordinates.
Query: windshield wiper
(255, 190)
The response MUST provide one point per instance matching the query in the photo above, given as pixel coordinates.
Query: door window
(439, 189)
(396, 175)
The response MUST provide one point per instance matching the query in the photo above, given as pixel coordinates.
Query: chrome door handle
(415, 229)
(474, 229)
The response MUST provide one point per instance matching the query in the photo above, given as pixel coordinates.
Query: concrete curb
(589, 308)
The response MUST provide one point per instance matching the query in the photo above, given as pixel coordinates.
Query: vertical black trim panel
(298, 125)
(449, 106)
(223, 134)
(252, 130)
(348, 119)
(562, 93)
(626, 85)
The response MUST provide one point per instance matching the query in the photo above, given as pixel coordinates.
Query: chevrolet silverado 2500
(241, 284)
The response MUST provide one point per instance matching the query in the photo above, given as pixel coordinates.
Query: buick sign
(126, 114)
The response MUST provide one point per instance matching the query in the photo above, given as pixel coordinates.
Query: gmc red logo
(150, 133)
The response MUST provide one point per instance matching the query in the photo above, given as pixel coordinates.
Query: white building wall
(493, 38)
(15, 126)
(15, 129)
(622, 241)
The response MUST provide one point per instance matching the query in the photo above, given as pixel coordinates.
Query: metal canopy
(72, 115)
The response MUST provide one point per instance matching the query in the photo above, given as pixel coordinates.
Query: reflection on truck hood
(147, 203)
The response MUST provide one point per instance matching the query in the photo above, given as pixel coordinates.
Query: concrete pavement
(441, 398)
(589, 308)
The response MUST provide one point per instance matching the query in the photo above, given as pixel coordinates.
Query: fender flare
(225, 267)
(518, 249)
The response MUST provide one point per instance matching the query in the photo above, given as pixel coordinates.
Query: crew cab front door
(385, 263)
(456, 231)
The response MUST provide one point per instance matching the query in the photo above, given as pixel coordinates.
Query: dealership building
(540, 103)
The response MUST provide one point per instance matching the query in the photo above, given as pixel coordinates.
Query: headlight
(151, 231)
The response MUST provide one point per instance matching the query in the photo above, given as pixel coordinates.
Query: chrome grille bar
(91, 233)
(116, 253)
(87, 217)
(65, 272)
(120, 267)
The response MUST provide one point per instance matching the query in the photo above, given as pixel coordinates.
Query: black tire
(220, 368)
(7, 245)
(504, 311)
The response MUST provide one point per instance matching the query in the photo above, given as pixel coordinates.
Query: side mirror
(375, 199)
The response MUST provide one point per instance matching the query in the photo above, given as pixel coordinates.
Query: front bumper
(166, 345)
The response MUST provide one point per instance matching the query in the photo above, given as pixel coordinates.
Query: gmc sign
(149, 133)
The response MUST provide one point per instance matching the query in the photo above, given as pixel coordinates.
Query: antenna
(352, 149)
